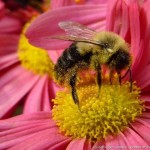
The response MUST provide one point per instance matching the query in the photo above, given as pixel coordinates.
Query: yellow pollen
(33, 58)
(79, 1)
(98, 117)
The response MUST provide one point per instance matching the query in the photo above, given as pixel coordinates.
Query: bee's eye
(105, 45)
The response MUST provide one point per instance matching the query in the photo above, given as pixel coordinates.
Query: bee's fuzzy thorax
(114, 40)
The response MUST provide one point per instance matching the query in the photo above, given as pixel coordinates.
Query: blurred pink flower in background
(19, 86)
(10, 27)
(127, 18)
(25, 10)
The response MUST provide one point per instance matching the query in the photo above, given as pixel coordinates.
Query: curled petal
(46, 25)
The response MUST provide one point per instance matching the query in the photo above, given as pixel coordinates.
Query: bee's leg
(110, 76)
(73, 88)
(99, 78)
(119, 76)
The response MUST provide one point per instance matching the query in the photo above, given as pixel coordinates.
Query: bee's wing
(76, 32)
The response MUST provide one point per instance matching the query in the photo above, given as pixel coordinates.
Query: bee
(90, 49)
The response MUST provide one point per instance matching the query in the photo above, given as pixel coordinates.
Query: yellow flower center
(98, 117)
(33, 58)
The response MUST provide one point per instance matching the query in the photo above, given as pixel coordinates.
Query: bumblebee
(90, 49)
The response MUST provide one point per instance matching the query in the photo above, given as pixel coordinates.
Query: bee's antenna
(130, 73)
(130, 79)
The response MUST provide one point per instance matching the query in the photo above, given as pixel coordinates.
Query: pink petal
(10, 25)
(24, 120)
(118, 17)
(47, 24)
(60, 3)
(38, 99)
(54, 55)
(49, 94)
(13, 88)
(146, 98)
(129, 2)
(8, 60)
(78, 144)
(134, 138)
(135, 31)
(34, 131)
(8, 43)
(118, 23)
(111, 15)
(143, 129)
(54, 87)
(143, 78)
(145, 7)
(125, 21)
(41, 140)
(142, 59)
(145, 117)
(14, 70)
(116, 142)
(2, 9)
(141, 66)
(99, 144)
(125, 140)
(143, 56)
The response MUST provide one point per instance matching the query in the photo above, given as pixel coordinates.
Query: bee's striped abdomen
(67, 60)
(70, 60)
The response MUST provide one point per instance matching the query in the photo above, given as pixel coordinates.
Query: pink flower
(17, 84)
(39, 131)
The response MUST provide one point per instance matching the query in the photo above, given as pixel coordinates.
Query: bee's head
(119, 60)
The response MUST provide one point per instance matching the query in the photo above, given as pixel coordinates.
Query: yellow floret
(111, 112)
